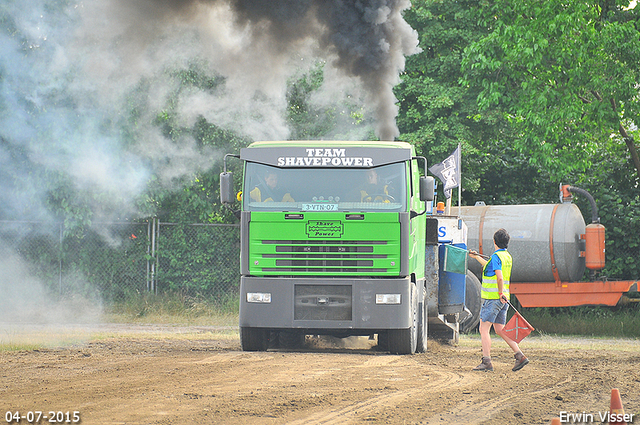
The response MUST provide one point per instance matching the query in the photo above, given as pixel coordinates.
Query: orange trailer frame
(570, 294)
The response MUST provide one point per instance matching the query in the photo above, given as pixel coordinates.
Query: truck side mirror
(227, 194)
(427, 188)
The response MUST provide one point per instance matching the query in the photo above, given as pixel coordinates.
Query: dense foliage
(438, 112)
(537, 94)
(565, 75)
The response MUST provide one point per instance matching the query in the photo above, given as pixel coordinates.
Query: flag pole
(459, 181)
(448, 171)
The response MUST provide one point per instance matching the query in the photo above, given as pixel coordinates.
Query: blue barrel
(451, 286)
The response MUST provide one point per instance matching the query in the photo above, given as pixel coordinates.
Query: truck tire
(421, 345)
(473, 302)
(383, 341)
(254, 339)
(404, 341)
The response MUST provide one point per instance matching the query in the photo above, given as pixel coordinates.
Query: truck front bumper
(325, 303)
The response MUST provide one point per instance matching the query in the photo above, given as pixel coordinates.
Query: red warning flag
(517, 328)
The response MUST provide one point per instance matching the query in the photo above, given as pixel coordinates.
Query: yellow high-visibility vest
(489, 289)
(366, 197)
(256, 195)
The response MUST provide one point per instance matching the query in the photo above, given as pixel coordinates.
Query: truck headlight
(259, 297)
(388, 298)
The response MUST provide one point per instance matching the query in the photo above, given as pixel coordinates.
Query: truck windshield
(268, 188)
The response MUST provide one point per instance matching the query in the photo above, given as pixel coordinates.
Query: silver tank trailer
(530, 229)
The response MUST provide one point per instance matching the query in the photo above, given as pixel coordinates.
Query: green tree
(566, 75)
(197, 196)
(469, 79)
(438, 112)
(340, 119)
(191, 197)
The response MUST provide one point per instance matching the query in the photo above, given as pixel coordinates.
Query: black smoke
(364, 40)
(85, 83)
(72, 72)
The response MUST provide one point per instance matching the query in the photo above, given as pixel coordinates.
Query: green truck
(339, 238)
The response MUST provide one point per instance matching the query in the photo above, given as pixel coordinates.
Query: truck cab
(334, 241)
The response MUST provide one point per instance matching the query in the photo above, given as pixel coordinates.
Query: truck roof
(327, 153)
(331, 143)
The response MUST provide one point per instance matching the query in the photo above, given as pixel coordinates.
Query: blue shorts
(494, 311)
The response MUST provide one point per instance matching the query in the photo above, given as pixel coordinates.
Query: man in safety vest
(269, 190)
(374, 190)
(496, 275)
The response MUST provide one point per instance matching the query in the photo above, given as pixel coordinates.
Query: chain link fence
(119, 260)
(115, 261)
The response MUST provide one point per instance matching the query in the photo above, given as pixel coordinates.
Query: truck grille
(329, 256)
(322, 302)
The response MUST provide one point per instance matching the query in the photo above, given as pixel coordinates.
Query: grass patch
(30, 337)
(168, 312)
(25, 336)
(585, 328)
(157, 316)
(174, 309)
(613, 322)
(168, 334)
(19, 346)
(558, 343)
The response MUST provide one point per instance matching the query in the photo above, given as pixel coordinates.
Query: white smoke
(26, 299)
(256, 45)
(74, 72)
(86, 85)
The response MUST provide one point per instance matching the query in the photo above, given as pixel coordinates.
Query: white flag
(448, 171)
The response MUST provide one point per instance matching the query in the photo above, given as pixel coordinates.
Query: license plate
(319, 207)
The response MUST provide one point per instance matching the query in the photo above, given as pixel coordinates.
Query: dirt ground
(122, 374)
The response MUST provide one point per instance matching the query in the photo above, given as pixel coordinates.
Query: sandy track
(171, 375)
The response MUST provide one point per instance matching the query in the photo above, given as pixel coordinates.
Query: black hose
(594, 207)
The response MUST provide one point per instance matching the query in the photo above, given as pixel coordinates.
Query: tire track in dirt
(481, 412)
(167, 379)
(439, 380)
(224, 357)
